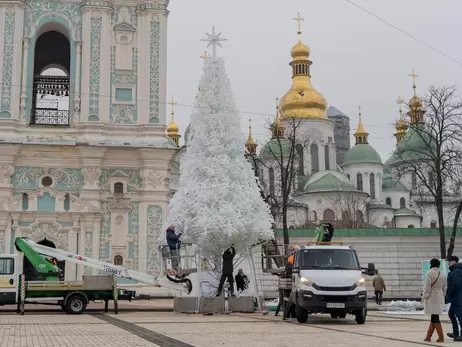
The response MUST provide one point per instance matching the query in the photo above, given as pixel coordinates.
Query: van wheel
(333, 315)
(301, 314)
(76, 304)
(361, 316)
(342, 315)
(293, 314)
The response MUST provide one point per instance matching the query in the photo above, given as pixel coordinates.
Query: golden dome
(172, 128)
(300, 51)
(302, 100)
(415, 102)
(401, 124)
(360, 134)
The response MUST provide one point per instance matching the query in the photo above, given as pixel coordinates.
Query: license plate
(335, 305)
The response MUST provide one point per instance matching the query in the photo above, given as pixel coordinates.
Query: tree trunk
(439, 210)
(452, 240)
(285, 229)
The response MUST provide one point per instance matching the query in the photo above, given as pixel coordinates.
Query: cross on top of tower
(299, 21)
(172, 103)
(413, 75)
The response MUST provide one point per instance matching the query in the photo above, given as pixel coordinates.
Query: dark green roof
(362, 153)
(372, 204)
(370, 232)
(328, 181)
(404, 212)
(389, 183)
(414, 146)
(274, 148)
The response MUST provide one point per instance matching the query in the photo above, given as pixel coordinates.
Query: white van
(328, 278)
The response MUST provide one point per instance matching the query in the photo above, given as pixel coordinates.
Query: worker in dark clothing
(454, 297)
(174, 243)
(242, 281)
(227, 271)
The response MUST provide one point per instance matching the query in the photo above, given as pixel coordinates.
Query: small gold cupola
(250, 144)
(172, 127)
(361, 134)
(401, 125)
(302, 100)
(416, 112)
(277, 128)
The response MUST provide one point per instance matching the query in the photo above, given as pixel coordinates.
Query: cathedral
(349, 187)
(85, 158)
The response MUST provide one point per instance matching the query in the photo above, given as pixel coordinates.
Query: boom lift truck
(43, 284)
(321, 277)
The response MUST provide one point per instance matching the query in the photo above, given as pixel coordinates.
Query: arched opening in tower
(31, 273)
(51, 87)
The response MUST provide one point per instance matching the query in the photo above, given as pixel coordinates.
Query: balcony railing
(57, 86)
(46, 116)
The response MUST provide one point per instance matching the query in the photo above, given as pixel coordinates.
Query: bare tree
(430, 154)
(351, 206)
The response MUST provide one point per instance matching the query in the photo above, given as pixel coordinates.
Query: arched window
(372, 185)
(271, 181)
(345, 216)
(315, 215)
(118, 188)
(301, 159)
(433, 224)
(25, 202)
(388, 201)
(359, 182)
(414, 180)
(327, 157)
(118, 260)
(328, 215)
(359, 216)
(402, 203)
(314, 158)
(67, 202)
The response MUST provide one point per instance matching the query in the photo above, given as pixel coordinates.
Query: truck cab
(328, 278)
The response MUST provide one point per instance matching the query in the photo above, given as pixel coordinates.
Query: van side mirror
(370, 269)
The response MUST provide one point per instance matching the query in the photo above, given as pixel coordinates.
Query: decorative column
(78, 45)
(17, 61)
(106, 32)
(152, 63)
(23, 101)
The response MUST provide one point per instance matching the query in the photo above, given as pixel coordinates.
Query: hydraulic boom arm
(36, 249)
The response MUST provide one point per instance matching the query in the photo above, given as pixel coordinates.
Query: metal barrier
(180, 261)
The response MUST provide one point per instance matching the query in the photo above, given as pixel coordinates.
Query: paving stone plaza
(167, 329)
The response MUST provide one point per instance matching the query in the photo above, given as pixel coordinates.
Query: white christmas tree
(218, 202)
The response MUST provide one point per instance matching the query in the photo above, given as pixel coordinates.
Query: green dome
(362, 153)
(274, 147)
(404, 212)
(376, 204)
(414, 146)
(328, 181)
(391, 184)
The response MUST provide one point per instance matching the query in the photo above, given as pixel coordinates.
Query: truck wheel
(361, 316)
(301, 313)
(333, 315)
(76, 304)
(64, 307)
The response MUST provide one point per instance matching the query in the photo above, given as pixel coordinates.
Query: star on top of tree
(213, 40)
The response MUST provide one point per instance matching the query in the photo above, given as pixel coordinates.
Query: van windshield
(328, 259)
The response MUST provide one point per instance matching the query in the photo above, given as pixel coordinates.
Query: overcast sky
(357, 59)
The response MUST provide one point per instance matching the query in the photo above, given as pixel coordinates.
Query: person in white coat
(433, 295)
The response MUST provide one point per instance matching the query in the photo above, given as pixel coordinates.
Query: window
(402, 203)
(118, 260)
(359, 182)
(271, 181)
(414, 180)
(25, 202)
(388, 201)
(7, 266)
(47, 181)
(410, 226)
(67, 202)
(329, 259)
(315, 215)
(433, 224)
(299, 149)
(345, 216)
(328, 215)
(327, 157)
(431, 179)
(314, 158)
(118, 188)
(372, 185)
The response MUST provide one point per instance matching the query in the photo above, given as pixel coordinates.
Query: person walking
(454, 297)
(227, 270)
(242, 281)
(434, 291)
(379, 287)
(174, 243)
